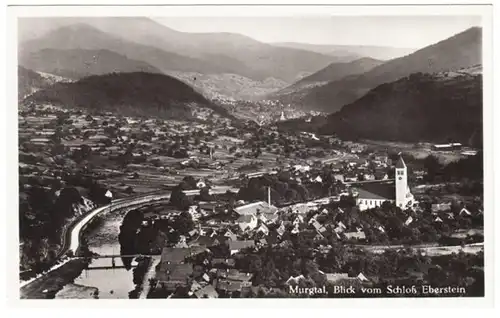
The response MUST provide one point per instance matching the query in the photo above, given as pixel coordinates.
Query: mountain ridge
(78, 63)
(209, 52)
(458, 51)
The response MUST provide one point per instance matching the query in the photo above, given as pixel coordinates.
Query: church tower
(402, 189)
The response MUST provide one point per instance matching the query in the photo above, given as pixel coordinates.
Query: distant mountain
(332, 72)
(78, 63)
(229, 85)
(459, 51)
(84, 37)
(129, 94)
(348, 53)
(438, 107)
(217, 52)
(29, 82)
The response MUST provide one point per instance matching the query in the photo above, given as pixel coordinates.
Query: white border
(10, 118)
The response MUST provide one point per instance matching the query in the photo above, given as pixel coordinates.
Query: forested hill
(438, 107)
(29, 82)
(459, 51)
(130, 94)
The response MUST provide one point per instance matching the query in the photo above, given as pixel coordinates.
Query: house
(293, 280)
(408, 220)
(228, 262)
(231, 280)
(262, 229)
(369, 176)
(281, 230)
(441, 207)
(256, 208)
(195, 286)
(182, 242)
(447, 147)
(335, 277)
(339, 177)
(207, 241)
(381, 175)
(236, 246)
(247, 222)
(206, 278)
(236, 275)
(318, 227)
(206, 292)
(207, 208)
(268, 218)
(362, 277)
(173, 255)
(229, 286)
(318, 179)
(170, 276)
(355, 235)
(298, 219)
(230, 235)
(464, 211)
(302, 168)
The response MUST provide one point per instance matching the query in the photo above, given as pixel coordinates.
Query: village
(299, 210)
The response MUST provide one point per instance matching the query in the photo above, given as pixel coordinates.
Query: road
(72, 234)
(432, 249)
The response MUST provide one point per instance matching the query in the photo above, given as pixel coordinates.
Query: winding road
(71, 239)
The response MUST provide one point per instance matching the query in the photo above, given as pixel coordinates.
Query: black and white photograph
(327, 155)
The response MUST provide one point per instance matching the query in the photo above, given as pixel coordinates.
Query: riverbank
(75, 291)
(47, 286)
(155, 260)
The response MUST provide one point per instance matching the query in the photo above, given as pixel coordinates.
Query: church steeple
(402, 189)
(400, 164)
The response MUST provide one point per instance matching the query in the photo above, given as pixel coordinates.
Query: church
(373, 194)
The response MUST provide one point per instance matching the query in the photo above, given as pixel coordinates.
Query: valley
(247, 167)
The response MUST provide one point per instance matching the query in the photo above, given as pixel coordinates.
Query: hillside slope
(229, 85)
(127, 93)
(459, 51)
(332, 72)
(78, 63)
(29, 81)
(421, 107)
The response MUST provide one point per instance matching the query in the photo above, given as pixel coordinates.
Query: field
(419, 150)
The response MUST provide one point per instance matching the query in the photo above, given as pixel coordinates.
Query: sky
(394, 31)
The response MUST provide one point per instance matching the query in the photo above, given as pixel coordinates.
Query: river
(113, 283)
